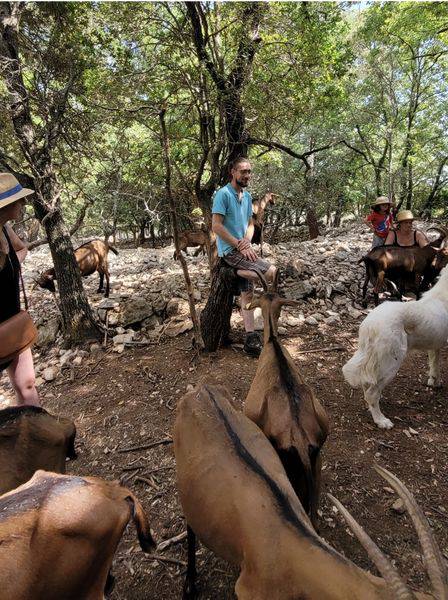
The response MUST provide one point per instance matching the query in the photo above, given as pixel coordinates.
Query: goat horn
(262, 278)
(433, 558)
(383, 564)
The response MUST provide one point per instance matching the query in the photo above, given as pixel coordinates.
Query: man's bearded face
(242, 174)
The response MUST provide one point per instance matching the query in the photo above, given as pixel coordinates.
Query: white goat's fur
(388, 333)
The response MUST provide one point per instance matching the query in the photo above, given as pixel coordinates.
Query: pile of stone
(148, 299)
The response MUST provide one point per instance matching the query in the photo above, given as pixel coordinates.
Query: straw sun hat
(11, 190)
(404, 215)
(381, 200)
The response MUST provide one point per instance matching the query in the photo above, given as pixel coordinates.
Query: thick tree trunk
(215, 318)
(77, 319)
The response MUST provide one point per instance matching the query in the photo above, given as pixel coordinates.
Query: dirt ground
(127, 400)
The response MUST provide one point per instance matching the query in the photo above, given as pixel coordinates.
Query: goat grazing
(388, 333)
(414, 268)
(237, 499)
(90, 257)
(285, 407)
(258, 212)
(32, 439)
(59, 533)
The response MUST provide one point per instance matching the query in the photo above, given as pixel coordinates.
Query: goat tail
(378, 357)
(140, 519)
(114, 250)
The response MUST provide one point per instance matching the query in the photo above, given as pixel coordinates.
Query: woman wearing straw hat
(405, 235)
(12, 253)
(380, 220)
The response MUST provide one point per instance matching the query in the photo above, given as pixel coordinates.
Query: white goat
(386, 335)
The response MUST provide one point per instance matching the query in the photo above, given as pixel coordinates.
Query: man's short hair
(238, 161)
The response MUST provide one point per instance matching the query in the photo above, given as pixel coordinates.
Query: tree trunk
(152, 233)
(141, 237)
(77, 318)
(215, 318)
(311, 217)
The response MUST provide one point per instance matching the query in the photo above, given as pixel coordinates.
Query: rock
(398, 506)
(39, 381)
(47, 332)
(292, 321)
(282, 330)
(122, 338)
(175, 328)
(197, 295)
(49, 374)
(332, 319)
(134, 310)
(311, 321)
(77, 361)
(150, 323)
(94, 348)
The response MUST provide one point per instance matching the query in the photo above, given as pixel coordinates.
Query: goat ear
(285, 302)
(254, 304)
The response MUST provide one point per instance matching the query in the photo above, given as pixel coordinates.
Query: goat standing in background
(415, 266)
(90, 257)
(388, 333)
(258, 212)
(285, 407)
(236, 497)
(59, 534)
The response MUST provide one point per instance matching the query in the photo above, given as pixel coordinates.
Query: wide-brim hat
(11, 190)
(381, 200)
(404, 215)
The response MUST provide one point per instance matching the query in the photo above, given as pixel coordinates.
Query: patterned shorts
(236, 260)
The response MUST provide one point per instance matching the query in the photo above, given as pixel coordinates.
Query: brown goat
(285, 408)
(90, 257)
(59, 534)
(236, 497)
(412, 268)
(258, 212)
(32, 439)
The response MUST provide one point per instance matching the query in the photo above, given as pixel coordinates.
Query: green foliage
(370, 84)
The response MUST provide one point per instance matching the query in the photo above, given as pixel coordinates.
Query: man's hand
(249, 254)
(243, 244)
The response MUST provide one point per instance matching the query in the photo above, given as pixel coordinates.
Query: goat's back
(230, 479)
(58, 535)
(32, 439)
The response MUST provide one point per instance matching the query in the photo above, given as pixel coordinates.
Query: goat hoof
(384, 423)
(435, 383)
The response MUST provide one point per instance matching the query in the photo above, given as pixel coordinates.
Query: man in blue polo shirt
(233, 225)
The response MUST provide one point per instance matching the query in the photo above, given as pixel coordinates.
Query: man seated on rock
(233, 225)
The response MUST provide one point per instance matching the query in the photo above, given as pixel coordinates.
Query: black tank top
(9, 284)
(400, 246)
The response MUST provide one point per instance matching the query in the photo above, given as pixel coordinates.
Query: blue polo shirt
(237, 214)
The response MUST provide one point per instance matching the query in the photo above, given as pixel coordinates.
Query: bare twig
(146, 446)
(167, 559)
(174, 540)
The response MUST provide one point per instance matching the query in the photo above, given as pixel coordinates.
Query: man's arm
(250, 230)
(19, 246)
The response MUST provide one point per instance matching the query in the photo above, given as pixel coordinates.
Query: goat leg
(101, 285)
(190, 592)
(107, 284)
(434, 368)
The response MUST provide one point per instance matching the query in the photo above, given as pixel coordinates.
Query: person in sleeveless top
(12, 253)
(405, 235)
